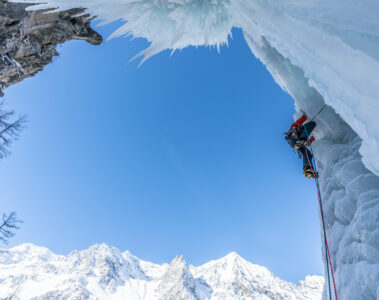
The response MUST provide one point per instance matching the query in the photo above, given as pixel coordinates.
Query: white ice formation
(319, 51)
(103, 272)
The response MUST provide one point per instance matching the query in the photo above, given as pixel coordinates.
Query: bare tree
(9, 130)
(7, 227)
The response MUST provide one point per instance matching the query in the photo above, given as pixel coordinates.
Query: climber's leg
(307, 129)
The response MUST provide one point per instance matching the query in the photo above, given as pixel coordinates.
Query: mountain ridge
(104, 272)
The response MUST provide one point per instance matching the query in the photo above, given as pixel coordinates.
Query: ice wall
(319, 52)
(349, 191)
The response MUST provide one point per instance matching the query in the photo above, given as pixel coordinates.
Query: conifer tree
(9, 130)
(8, 226)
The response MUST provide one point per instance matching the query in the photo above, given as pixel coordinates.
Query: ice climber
(298, 138)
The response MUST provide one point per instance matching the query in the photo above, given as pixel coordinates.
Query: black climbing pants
(307, 157)
(307, 129)
(305, 153)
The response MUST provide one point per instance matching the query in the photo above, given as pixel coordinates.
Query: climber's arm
(299, 121)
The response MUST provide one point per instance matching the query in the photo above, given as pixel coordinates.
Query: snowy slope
(103, 272)
(319, 51)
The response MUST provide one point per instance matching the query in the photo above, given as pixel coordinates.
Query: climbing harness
(327, 252)
(301, 143)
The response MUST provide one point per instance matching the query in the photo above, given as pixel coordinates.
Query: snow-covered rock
(103, 272)
(28, 39)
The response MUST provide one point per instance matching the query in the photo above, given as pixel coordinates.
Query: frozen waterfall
(319, 52)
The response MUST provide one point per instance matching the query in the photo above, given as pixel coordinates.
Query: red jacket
(300, 122)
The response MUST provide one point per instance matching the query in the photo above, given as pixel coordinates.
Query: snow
(103, 272)
(319, 51)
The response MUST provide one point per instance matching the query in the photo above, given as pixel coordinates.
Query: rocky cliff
(28, 39)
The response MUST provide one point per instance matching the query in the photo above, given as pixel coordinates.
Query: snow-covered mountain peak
(103, 272)
(28, 248)
(102, 250)
(229, 260)
(127, 253)
(108, 262)
(178, 261)
(101, 247)
(234, 265)
(178, 282)
(232, 257)
(177, 272)
(27, 253)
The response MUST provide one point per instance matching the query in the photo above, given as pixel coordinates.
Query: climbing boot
(308, 172)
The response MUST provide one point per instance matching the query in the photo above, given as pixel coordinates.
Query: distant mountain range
(103, 272)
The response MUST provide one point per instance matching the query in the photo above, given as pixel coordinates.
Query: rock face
(103, 272)
(28, 39)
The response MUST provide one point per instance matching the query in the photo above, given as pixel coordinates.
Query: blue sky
(182, 156)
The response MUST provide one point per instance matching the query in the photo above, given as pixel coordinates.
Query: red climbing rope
(323, 223)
